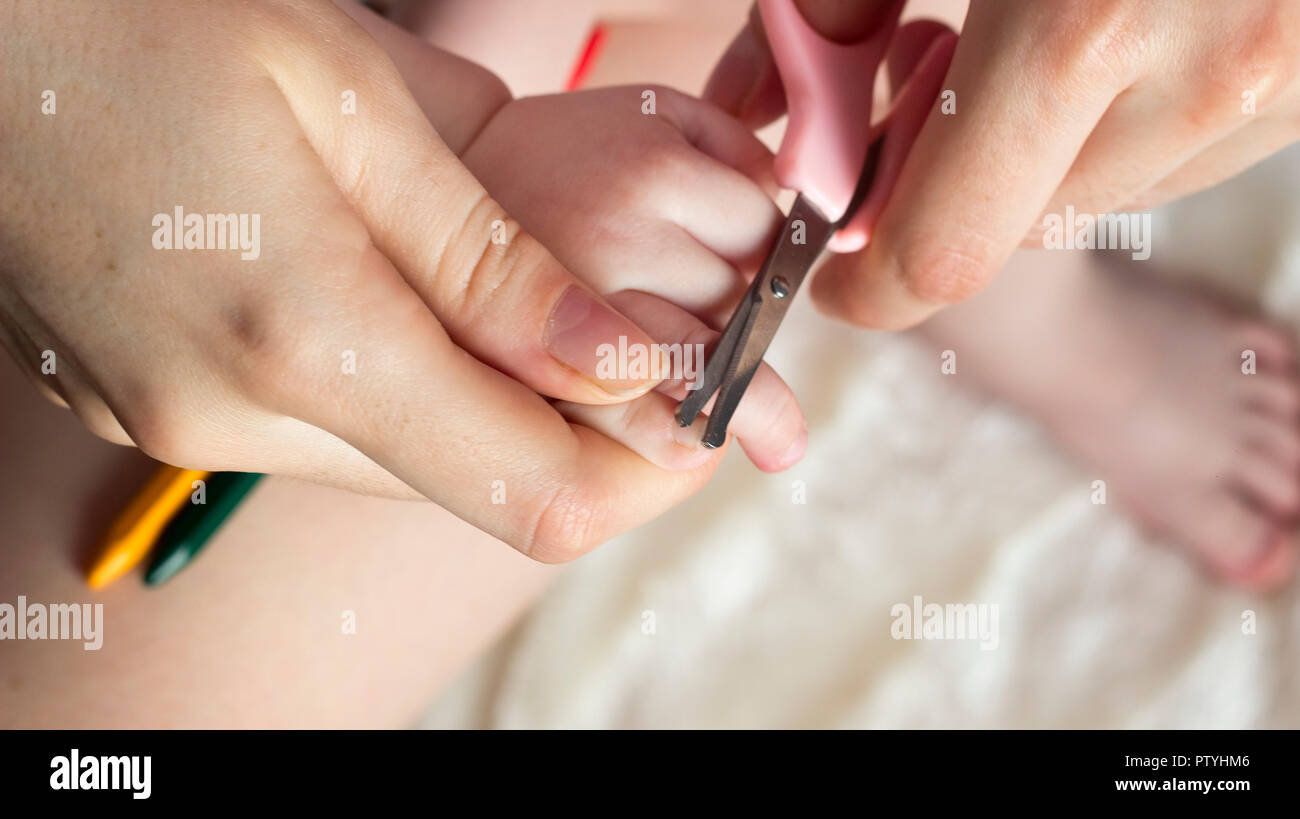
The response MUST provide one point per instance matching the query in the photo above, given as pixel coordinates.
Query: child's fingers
(737, 219)
(671, 264)
(721, 208)
(768, 424)
(646, 426)
(718, 135)
(726, 213)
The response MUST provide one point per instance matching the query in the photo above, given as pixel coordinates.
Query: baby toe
(1241, 543)
(1276, 396)
(1275, 439)
(1274, 347)
(1275, 487)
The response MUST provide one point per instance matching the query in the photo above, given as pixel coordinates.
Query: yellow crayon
(133, 533)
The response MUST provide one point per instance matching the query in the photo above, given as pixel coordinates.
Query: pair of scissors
(827, 155)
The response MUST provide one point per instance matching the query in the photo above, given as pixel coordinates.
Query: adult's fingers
(1226, 158)
(668, 262)
(909, 45)
(497, 291)
(472, 439)
(907, 114)
(1121, 160)
(977, 179)
(745, 82)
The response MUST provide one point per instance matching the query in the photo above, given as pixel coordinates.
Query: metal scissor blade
(866, 179)
(755, 322)
(715, 371)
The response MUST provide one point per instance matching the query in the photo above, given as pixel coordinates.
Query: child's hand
(670, 204)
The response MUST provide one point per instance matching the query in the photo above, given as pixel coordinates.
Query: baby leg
(311, 607)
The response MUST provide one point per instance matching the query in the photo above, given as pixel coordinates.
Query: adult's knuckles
(1080, 42)
(943, 273)
(164, 430)
(490, 268)
(1259, 58)
(280, 347)
(570, 521)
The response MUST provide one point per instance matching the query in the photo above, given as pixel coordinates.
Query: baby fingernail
(587, 335)
(795, 452)
(691, 436)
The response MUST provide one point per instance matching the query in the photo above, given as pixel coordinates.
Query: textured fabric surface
(770, 613)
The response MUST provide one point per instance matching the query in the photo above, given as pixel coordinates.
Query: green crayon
(196, 523)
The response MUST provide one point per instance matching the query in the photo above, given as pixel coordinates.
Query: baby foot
(1187, 409)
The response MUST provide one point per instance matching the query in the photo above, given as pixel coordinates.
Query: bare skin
(252, 634)
(1141, 380)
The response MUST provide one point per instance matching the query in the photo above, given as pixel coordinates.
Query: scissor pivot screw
(780, 287)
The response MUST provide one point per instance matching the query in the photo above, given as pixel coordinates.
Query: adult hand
(1100, 106)
(372, 306)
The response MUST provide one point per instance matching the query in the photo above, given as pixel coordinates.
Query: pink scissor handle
(828, 91)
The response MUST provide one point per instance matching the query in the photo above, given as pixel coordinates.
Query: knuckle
(280, 345)
(1088, 37)
(1263, 59)
(483, 254)
(668, 100)
(269, 357)
(943, 274)
(663, 169)
(160, 433)
(662, 166)
(569, 524)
